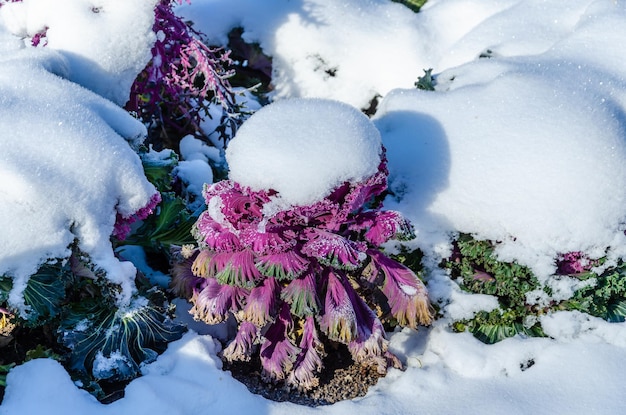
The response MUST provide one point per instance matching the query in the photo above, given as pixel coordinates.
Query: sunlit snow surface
(527, 143)
(304, 149)
(67, 168)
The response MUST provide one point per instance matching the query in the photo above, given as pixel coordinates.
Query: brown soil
(341, 379)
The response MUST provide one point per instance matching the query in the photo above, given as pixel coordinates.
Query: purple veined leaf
(210, 233)
(240, 210)
(184, 281)
(261, 306)
(308, 364)
(122, 223)
(268, 242)
(319, 214)
(213, 303)
(339, 319)
(283, 265)
(407, 295)
(334, 250)
(244, 344)
(382, 226)
(483, 276)
(301, 294)
(237, 268)
(363, 192)
(278, 353)
(370, 345)
(572, 263)
(203, 264)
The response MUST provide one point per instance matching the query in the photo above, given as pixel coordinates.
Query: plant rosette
(295, 269)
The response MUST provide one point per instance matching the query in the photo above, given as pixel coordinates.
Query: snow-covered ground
(526, 146)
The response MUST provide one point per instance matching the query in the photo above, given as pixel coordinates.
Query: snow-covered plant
(183, 79)
(477, 269)
(296, 276)
(172, 222)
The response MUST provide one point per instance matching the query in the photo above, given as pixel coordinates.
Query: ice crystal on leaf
(293, 270)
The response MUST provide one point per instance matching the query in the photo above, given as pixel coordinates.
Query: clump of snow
(105, 366)
(67, 168)
(303, 149)
(324, 62)
(543, 179)
(105, 43)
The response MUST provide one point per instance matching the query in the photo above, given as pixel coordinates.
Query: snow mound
(67, 169)
(526, 150)
(303, 149)
(106, 44)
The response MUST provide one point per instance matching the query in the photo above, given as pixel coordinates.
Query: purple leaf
(363, 192)
(333, 250)
(237, 268)
(370, 345)
(382, 226)
(301, 293)
(282, 266)
(309, 362)
(243, 346)
(278, 353)
(213, 303)
(405, 292)
(267, 242)
(184, 281)
(573, 263)
(210, 233)
(339, 319)
(122, 223)
(261, 305)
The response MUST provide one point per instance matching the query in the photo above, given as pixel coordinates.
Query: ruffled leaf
(309, 362)
(232, 268)
(333, 250)
(244, 344)
(339, 319)
(370, 345)
(184, 281)
(237, 268)
(210, 233)
(278, 353)
(213, 303)
(264, 242)
(405, 292)
(283, 265)
(261, 304)
(382, 226)
(301, 293)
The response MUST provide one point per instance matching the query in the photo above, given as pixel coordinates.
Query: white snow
(526, 147)
(67, 168)
(105, 43)
(303, 149)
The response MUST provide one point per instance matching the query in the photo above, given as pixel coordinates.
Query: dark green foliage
(111, 343)
(172, 222)
(606, 298)
(476, 269)
(170, 226)
(426, 82)
(159, 172)
(44, 293)
(4, 370)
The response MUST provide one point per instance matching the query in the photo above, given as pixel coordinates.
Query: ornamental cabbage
(290, 275)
